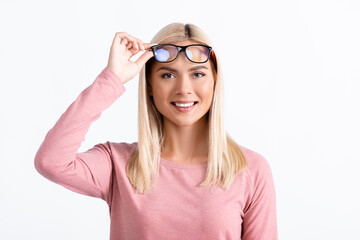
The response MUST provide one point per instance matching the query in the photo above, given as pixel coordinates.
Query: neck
(186, 144)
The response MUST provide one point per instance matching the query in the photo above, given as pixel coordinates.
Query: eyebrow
(174, 70)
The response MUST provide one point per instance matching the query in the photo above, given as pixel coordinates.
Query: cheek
(159, 90)
(207, 91)
(160, 94)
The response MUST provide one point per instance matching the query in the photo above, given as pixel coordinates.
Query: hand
(122, 49)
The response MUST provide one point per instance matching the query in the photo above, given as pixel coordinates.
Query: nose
(183, 82)
(183, 85)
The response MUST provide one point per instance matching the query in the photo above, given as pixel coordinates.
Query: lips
(195, 102)
(185, 108)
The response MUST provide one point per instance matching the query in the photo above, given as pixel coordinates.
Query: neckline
(185, 166)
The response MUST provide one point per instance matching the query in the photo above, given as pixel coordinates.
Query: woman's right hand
(122, 49)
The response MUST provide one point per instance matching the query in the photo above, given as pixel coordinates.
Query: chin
(184, 122)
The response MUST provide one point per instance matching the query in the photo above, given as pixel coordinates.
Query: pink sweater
(176, 208)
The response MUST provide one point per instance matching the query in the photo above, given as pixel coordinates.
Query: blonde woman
(185, 178)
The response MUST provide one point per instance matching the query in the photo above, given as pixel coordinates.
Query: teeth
(184, 104)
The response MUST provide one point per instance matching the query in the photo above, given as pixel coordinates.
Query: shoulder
(127, 146)
(259, 175)
(258, 167)
(120, 149)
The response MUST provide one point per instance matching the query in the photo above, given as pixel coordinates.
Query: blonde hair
(225, 158)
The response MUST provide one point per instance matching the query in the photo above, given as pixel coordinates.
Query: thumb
(144, 58)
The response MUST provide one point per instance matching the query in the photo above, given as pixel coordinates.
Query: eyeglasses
(197, 53)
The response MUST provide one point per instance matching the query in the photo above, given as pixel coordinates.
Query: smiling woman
(185, 178)
(175, 87)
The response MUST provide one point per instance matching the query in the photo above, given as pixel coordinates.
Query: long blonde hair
(225, 159)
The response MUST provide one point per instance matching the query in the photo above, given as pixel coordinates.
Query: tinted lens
(197, 53)
(165, 53)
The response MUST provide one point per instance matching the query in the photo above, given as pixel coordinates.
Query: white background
(292, 81)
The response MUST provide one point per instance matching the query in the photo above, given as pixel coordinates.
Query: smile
(184, 107)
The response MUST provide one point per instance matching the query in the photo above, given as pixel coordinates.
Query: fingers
(145, 47)
(124, 41)
(119, 36)
(138, 44)
(148, 45)
(131, 43)
(144, 58)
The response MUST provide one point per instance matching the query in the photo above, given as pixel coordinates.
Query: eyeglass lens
(168, 53)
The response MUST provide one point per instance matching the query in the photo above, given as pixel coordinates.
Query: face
(182, 81)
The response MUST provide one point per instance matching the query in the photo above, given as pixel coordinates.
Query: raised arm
(57, 159)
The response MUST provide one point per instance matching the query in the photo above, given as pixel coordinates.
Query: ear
(150, 91)
(148, 87)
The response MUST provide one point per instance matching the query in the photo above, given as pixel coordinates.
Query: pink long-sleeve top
(176, 208)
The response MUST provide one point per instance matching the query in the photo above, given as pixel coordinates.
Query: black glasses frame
(180, 48)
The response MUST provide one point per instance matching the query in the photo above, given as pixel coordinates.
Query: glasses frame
(180, 48)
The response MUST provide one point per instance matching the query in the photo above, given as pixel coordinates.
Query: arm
(57, 159)
(90, 172)
(260, 221)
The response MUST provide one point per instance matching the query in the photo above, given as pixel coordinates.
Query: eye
(167, 75)
(198, 74)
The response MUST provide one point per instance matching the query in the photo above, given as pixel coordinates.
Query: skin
(186, 138)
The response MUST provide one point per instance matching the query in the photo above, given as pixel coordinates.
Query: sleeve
(58, 160)
(260, 220)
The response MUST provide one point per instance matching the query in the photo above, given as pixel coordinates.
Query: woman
(185, 178)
